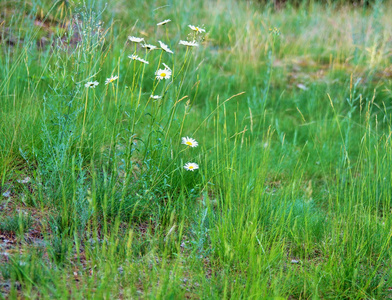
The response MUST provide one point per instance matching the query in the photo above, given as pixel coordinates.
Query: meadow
(247, 156)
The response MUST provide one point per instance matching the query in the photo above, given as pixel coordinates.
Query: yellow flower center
(190, 167)
(163, 74)
(189, 143)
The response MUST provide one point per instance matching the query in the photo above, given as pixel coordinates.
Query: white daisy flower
(163, 74)
(191, 166)
(189, 44)
(135, 39)
(111, 79)
(91, 84)
(135, 57)
(165, 47)
(155, 97)
(149, 46)
(143, 61)
(166, 66)
(197, 29)
(164, 22)
(189, 141)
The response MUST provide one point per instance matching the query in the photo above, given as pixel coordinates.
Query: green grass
(291, 110)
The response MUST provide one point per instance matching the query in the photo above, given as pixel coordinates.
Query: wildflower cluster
(166, 73)
(162, 73)
(190, 166)
(93, 84)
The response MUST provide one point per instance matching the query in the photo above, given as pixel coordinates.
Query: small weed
(16, 224)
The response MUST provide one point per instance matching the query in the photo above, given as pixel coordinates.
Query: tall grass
(290, 110)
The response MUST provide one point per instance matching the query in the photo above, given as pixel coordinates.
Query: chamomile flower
(163, 74)
(164, 22)
(135, 39)
(189, 142)
(165, 47)
(166, 66)
(111, 79)
(91, 84)
(191, 166)
(189, 44)
(197, 29)
(155, 97)
(135, 57)
(149, 46)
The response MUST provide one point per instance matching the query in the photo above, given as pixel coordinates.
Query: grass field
(291, 111)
